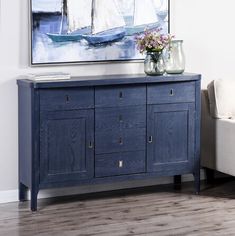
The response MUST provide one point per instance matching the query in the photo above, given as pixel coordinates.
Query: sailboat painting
(83, 31)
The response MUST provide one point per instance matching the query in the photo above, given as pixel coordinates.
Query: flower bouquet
(152, 42)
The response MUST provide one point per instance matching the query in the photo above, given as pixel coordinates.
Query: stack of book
(49, 76)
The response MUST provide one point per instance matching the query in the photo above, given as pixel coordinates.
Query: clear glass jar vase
(154, 63)
(175, 58)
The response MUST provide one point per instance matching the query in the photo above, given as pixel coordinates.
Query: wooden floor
(157, 210)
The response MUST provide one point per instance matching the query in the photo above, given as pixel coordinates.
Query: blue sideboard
(99, 129)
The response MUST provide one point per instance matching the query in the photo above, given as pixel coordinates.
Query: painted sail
(144, 12)
(79, 14)
(158, 4)
(163, 5)
(105, 16)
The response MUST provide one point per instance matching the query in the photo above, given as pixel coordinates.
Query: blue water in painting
(44, 50)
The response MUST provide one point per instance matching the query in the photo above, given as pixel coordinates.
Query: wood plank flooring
(158, 211)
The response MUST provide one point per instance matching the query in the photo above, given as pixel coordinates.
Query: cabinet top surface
(107, 80)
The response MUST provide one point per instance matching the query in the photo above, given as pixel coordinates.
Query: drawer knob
(120, 164)
(120, 141)
(120, 95)
(67, 98)
(172, 92)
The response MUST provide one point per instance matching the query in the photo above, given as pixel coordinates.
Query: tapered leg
(197, 181)
(23, 190)
(34, 196)
(210, 175)
(177, 182)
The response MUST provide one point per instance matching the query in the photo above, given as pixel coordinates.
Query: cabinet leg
(23, 190)
(210, 175)
(34, 196)
(197, 181)
(177, 182)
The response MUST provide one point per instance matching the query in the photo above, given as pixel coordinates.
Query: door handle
(150, 140)
(90, 145)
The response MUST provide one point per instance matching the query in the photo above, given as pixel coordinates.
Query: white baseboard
(8, 196)
(12, 195)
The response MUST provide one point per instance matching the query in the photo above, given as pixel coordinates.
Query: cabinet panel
(129, 117)
(119, 129)
(170, 130)
(121, 163)
(113, 96)
(66, 140)
(67, 99)
(120, 140)
(171, 93)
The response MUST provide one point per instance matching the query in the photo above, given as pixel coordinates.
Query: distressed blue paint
(102, 129)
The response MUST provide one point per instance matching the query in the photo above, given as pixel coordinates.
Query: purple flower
(152, 40)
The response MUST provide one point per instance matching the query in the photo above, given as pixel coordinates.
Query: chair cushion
(221, 93)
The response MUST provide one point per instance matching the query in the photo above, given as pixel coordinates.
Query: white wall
(206, 27)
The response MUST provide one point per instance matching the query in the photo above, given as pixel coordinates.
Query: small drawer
(66, 99)
(120, 96)
(171, 93)
(120, 140)
(119, 164)
(120, 117)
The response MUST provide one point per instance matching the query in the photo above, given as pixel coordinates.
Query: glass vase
(154, 63)
(175, 58)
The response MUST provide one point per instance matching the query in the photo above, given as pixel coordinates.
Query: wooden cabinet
(91, 130)
(66, 145)
(171, 139)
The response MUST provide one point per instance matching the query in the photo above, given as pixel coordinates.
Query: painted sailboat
(144, 16)
(107, 23)
(77, 14)
(162, 6)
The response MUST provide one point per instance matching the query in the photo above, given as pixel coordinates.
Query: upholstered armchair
(218, 127)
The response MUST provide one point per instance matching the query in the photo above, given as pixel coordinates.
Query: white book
(49, 76)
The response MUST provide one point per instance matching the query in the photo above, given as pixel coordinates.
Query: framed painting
(82, 31)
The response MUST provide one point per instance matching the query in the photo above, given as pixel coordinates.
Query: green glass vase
(154, 63)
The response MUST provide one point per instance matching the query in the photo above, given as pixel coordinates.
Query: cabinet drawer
(66, 99)
(119, 164)
(120, 96)
(120, 117)
(120, 140)
(171, 93)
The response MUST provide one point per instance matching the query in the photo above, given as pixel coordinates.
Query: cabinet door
(66, 144)
(170, 129)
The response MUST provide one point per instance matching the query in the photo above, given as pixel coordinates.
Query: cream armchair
(218, 128)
